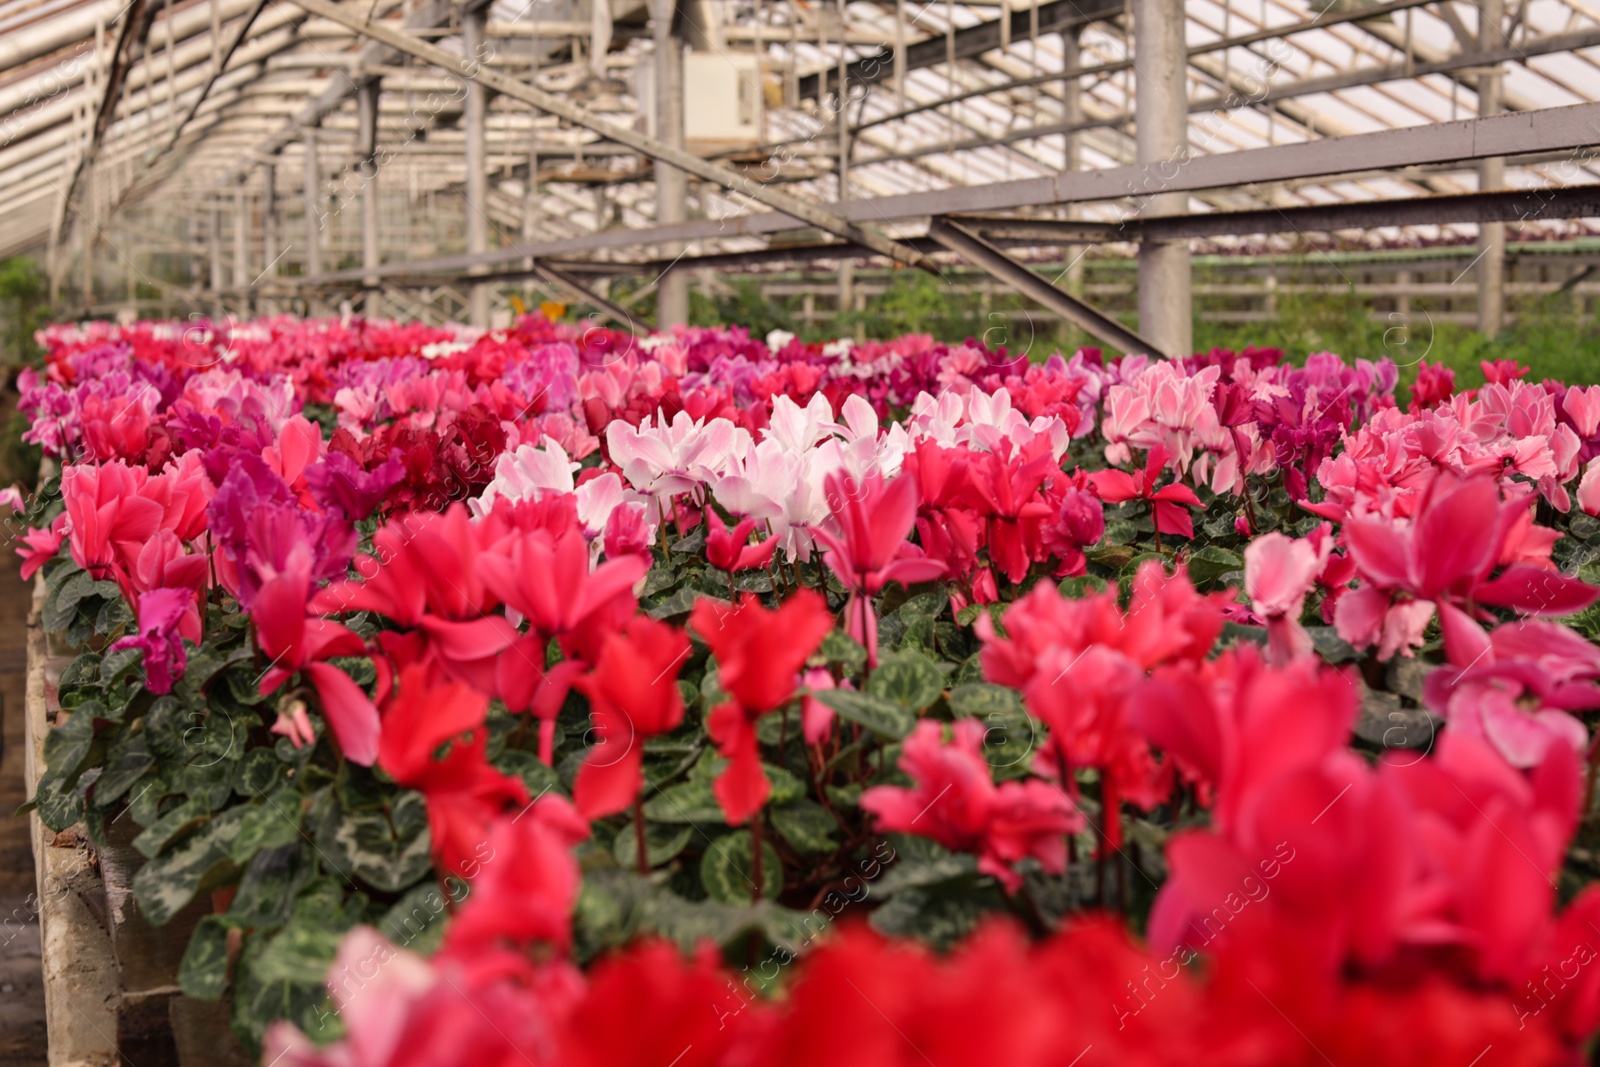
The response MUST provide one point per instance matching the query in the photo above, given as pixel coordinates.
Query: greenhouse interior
(706, 533)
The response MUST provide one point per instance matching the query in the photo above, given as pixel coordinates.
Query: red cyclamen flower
(633, 694)
(1166, 503)
(759, 655)
(729, 551)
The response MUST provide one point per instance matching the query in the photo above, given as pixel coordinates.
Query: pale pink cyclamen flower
(1278, 573)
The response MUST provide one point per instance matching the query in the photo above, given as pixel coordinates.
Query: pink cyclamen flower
(956, 803)
(874, 517)
(816, 718)
(1461, 531)
(160, 612)
(295, 724)
(1519, 690)
(1278, 573)
(1589, 489)
(1582, 406)
(42, 546)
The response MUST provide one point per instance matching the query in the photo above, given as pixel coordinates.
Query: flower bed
(561, 696)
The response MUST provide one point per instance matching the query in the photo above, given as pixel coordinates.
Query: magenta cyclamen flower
(160, 611)
(339, 484)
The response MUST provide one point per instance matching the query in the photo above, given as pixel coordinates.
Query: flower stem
(1589, 783)
(638, 833)
(756, 858)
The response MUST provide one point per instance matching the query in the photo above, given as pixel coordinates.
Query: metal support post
(672, 186)
(367, 168)
(1491, 175)
(475, 118)
(1162, 143)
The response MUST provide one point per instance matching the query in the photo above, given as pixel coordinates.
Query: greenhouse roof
(158, 107)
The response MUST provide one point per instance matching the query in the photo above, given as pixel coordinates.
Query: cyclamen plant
(569, 697)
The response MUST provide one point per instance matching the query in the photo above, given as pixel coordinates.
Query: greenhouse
(707, 533)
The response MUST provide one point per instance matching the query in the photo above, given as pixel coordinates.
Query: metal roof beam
(1551, 130)
(1003, 268)
(808, 212)
(1506, 205)
(974, 40)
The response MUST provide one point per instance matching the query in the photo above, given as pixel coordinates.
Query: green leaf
(940, 919)
(688, 802)
(164, 885)
(662, 844)
(1121, 532)
(1010, 734)
(969, 615)
(616, 906)
(203, 665)
(1233, 633)
(838, 647)
(388, 851)
(203, 974)
(1112, 557)
(113, 614)
(164, 725)
(1330, 646)
(658, 580)
(267, 889)
(126, 762)
(693, 544)
(255, 1004)
(418, 919)
(539, 778)
(271, 822)
(1210, 562)
(785, 786)
(981, 699)
(258, 772)
(175, 821)
(726, 870)
(711, 691)
(883, 717)
(807, 826)
(1082, 586)
(694, 923)
(301, 953)
(84, 670)
(677, 603)
(909, 678)
(210, 783)
(920, 863)
(61, 607)
(58, 804)
(67, 746)
(120, 663)
(358, 788)
(754, 580)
